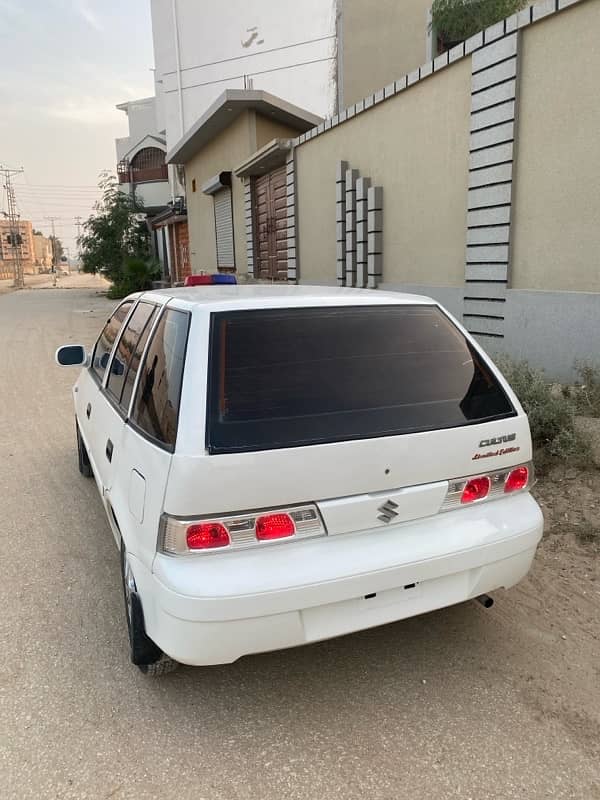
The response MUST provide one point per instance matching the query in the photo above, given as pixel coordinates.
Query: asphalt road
(461, 703)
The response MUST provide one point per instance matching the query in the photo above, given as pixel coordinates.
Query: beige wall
(416, 146)
(42, 248)
(241, 139)
(381, 41)
(267, 129)
(556, 215)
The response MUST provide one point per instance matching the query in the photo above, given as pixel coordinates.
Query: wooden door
(270, 222)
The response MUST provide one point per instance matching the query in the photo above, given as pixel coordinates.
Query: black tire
(84, 462)
(144, 653)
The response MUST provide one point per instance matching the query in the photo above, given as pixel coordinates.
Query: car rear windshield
(291, 377)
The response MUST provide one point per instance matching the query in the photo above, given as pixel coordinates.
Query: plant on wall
(456, 20)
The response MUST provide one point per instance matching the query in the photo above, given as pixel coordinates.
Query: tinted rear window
(290, 377)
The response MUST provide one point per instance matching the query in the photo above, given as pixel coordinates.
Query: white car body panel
(214, 607)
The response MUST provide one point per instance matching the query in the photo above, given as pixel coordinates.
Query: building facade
(237, 125)
(42, 251)
(321, 55)
(141, 167)
(10, 250)
(201, 49)
(469, 180)
(157, 188)
(466, 178)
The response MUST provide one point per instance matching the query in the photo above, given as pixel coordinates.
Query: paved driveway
(461, 703)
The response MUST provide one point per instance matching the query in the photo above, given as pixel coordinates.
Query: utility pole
(53, 220)
(15, 233)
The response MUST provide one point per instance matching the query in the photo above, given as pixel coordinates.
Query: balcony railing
(127, 174)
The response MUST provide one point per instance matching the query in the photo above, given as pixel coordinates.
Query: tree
(57, 248)
(456, 20)
(114, 238)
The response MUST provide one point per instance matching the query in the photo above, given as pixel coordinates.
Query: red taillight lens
(274, 526)
(207, 535)
(476, 489)
(517, 479)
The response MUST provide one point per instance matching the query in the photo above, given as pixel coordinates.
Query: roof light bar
(209, 280)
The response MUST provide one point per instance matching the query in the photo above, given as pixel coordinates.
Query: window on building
(156, 404)
(122, 369)
(149, 165)
(107, 338)
(224, 229)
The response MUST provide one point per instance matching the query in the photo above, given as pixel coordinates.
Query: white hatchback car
(281, 465)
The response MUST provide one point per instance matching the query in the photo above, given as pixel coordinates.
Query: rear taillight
(206, 536)
(490, 486)
(517, 479)
(274, 526)
(476, 489)
(234, 532)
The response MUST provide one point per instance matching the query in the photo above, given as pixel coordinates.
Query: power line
(252, 74)
(62, 186)
(252, 55)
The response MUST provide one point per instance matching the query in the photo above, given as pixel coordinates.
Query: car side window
(156, 404)
(121, 364)
(107, 339)
(134, 364)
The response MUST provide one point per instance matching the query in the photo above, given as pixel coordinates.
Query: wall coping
(506, 27)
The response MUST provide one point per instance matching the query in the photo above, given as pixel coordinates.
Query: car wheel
(146, 655)
(84, 462)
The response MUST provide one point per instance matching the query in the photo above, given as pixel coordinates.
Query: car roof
(233, 297)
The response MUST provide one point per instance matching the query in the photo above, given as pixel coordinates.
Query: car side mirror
(71, 355)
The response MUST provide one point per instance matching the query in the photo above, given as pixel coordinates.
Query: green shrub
(551, 416)
(456, 20)
(586, 393)
(137, 275)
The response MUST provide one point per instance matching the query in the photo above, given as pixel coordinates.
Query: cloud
(86, 111)
(10, 8)
(83, 9)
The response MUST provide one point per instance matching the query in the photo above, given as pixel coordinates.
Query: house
(42, 250)
(157, 188)
(141, 167)
(321, 55)
(201, 49)
(467, 178)
(10, 250)
(244, 134)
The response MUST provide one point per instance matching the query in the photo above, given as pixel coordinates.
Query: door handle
(109, 449)
(88, 410)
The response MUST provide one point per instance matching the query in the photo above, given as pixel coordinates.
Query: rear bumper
(215, 609)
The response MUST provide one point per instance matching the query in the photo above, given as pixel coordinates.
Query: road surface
(462, 703)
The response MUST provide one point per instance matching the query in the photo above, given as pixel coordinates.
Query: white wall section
(285, 48)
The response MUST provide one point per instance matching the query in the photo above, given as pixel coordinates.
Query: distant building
(141, 166)
(42, 251)
(24, 247)
(143, 173)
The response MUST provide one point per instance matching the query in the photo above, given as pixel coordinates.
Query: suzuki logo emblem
(388, 511)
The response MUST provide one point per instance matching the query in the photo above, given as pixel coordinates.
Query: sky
(64, 65)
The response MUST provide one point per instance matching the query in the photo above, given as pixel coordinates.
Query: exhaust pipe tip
(485, 600)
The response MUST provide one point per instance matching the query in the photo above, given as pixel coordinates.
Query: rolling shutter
(224, 229)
